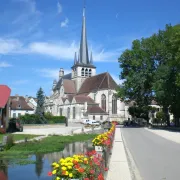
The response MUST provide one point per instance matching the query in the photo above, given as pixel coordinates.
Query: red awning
(4, 95)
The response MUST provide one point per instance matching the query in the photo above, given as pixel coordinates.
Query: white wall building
(18, 107)
(84, 94)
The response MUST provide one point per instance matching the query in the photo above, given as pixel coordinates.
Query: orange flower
(81, 170)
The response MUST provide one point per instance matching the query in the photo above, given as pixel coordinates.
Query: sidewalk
(118, 167)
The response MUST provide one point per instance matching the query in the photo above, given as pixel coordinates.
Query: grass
(46, 145)
(18, 136)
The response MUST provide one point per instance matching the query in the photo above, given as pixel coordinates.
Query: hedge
(36, 119)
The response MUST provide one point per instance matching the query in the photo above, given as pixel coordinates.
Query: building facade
(83, 93)
(19, 107)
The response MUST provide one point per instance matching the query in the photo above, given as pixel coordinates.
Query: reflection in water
(70, 150)
(3, 170)
(39, 164)
(39, 170)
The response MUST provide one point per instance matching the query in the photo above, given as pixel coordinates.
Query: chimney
(17, 97)
(61, 73)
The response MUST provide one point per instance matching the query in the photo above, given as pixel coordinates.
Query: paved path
(118, 166)
(155, 157)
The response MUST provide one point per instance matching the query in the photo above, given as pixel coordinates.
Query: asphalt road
(155, 157)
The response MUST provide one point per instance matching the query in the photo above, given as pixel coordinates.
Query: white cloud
(117, 80)
(60, 50)
(65, 23)
(9, 46)
(51, 73)
(59, 7)
(4, 64)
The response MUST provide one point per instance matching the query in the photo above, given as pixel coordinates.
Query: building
(32, 102)
(4, 105)
(19, 106)
(83, 93)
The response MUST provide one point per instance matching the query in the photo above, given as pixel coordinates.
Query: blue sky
(38, 37)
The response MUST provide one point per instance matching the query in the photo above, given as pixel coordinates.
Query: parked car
(15, 125)
(91, 122)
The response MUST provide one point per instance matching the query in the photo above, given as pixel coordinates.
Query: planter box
(99, 148)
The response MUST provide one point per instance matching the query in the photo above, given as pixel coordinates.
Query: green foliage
(46, 145)
(160, 115)
(40, 102)
(151, 69)
(37, 119)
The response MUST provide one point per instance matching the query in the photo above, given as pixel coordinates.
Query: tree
(40, 102)
(160, 117)
(39, 164)
(151, 69)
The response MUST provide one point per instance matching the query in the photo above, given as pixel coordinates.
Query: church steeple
(84, 57)
(75, 59)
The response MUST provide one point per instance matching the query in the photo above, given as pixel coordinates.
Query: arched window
(103, 102)
(74, 112)
(86, 72)
(90, 72)
(94, 117)
(68, 112)
(114, 105)
(82, 72)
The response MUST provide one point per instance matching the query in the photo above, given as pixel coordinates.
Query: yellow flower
(70, 175)
(54, 164)
(67, 173)
(69, 167)
(64, 168)
(54, 172)
(57, 165)
(57, 178)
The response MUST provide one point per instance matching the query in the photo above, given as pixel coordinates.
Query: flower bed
(105, 139)
(89, 166)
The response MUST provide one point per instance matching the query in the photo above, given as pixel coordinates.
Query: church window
(61, 110)
(101, 117)
(86, 72)
(90, 72)
(74, 112)
(94, 118)
(82, 72)
(68, 112)
(114, 105)
(103, 102)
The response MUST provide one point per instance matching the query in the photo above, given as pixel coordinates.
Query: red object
(3, 176)
(4, 95)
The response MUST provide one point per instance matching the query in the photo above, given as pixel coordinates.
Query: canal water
(39, 170)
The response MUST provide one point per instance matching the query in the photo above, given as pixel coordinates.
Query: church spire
(75, 58)
(84, 58)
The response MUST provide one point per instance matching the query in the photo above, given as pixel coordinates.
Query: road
(155, 157)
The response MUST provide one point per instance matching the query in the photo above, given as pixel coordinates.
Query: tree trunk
(167, 118)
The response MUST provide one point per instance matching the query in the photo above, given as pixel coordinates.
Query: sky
(38, 37)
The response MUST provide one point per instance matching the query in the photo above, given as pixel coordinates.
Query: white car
(91, 122)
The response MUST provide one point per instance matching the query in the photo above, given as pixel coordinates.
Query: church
(83, 94)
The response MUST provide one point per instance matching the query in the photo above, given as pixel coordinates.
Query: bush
(31, 119)
(56, 119)
(36, 119)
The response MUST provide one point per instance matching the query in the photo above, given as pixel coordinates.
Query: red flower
(106, 169)
(86, 179)
(50, 173)
(92, 171)
(81, 170)
(100, 177)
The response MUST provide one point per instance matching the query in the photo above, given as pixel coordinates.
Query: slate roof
(98, 82)
(95, 110)
(58, 85)
(19, 103)
(83, 99)
(69, 86)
